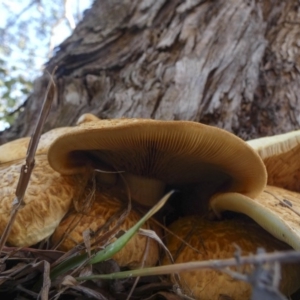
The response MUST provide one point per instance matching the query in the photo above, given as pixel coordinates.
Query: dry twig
(27, 168)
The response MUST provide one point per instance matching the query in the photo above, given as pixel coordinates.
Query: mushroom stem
(144, 190)
(265, 218)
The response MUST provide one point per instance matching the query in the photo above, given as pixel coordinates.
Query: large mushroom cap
(217, 240)
(47, 198)
(276, 210)
(103, 215)
(280, 154)
(174, 152)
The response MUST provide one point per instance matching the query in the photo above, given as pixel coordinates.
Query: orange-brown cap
(101, 216)
(212, 240)
(47, 198)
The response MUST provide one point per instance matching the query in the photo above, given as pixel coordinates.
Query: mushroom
(48, 196)
(217, 240)
(149, 155)
(152, 154)
(277, 210)
(279, 153)
(106, 214)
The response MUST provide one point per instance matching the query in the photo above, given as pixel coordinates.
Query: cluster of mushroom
(147, 157)
(51, 196)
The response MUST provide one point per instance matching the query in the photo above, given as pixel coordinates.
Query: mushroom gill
(166, 152)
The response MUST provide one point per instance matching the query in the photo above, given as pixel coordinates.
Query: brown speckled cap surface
(219, 240)
(47, 198)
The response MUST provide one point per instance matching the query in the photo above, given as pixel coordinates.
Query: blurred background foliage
(30, 31)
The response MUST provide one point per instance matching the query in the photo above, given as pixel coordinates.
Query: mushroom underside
(177, 152)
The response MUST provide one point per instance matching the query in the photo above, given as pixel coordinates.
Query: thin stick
(27, 168)
(284, 256)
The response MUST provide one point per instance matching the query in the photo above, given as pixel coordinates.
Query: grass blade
(111, 249)
(283, 256)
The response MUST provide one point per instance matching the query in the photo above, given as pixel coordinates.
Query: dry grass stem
(27, 168)
(138, 278)
(259, 258)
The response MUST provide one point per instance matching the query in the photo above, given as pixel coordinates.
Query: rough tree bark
(234, 64)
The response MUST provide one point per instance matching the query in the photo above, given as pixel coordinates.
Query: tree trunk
(234, 64)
